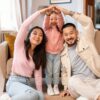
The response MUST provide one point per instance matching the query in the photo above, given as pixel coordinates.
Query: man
(80, 71)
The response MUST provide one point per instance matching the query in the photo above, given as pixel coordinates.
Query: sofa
(6, 62)
(3, 63)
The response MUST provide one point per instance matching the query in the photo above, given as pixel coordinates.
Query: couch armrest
(3, 62)
(97, 41)
(3, 57)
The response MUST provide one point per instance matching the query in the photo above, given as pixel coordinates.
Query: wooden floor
(49, 98)
(58, 98)
(55, 97)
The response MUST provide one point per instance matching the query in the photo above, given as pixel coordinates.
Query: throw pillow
(10, 40)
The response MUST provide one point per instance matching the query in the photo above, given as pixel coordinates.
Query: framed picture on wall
(60, 1)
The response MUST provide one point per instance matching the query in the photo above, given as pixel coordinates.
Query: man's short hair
(68, 25)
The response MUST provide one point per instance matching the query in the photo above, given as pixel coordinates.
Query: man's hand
(65, 93)
(65, 11)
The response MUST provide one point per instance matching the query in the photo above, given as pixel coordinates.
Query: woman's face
(36, 36)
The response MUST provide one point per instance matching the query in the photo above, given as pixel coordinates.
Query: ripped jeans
(19, 88)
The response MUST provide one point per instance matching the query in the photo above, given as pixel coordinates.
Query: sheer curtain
(13, 13)
(10, 15)
(26, 8)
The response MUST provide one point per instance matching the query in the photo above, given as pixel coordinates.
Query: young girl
(29, 58)
(52, 25)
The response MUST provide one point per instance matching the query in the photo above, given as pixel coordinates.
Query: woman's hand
(45, 10)
(48, 10)
(57, 10)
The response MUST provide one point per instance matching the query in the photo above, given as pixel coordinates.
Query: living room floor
(55, 97)
(58, 97)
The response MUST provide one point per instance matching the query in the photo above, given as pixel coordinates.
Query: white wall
(75, 5)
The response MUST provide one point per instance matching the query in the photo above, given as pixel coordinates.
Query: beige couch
(97, 41)
(5, 63)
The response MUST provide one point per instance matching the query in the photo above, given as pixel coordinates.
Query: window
(8, 15)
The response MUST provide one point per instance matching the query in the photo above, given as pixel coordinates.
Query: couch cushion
(97, 41)
(3, 57)
(9, 65)
(10, 40)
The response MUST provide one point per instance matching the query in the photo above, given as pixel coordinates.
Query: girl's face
(53, 19)
(36, 36)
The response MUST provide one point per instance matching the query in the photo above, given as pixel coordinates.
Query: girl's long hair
(56, 25)
(39, 55)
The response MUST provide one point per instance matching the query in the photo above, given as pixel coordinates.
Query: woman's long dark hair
(39, 56)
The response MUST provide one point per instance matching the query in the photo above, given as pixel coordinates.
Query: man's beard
(71, 44)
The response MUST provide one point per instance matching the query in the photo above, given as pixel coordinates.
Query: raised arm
(87, 25)
(60, 20)
(46, 21)
(23, 31)
(85, 21)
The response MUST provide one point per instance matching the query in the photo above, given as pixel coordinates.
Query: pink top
(54, 37)
(21, 65)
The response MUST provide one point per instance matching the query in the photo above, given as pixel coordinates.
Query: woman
(29, 58)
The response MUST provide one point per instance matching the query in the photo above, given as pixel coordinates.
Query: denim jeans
(53, 68)
(19, 88)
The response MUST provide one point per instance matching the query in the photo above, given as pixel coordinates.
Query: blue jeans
(19, 88)
(53, 68)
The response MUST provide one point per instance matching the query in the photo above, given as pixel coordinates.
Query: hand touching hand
(56, 10)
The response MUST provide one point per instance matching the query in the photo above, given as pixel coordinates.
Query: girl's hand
(45, 10)
(57, 10)
(65, 11)
(53, 8)
(48, 12)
